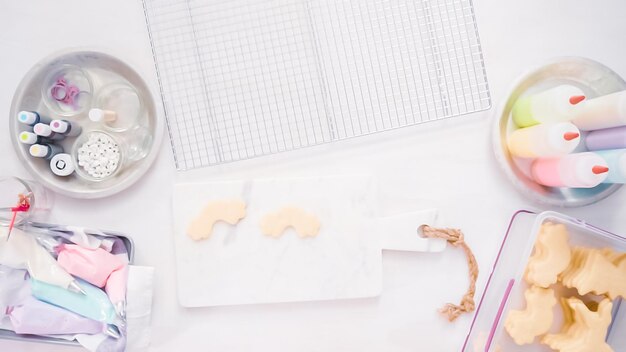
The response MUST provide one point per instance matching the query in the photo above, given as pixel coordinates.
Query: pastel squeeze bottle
(581, 170)
(602, 112)
(91, 265)
(544, 140)
(552, 105)
(93, 305)
(38, 318)
(21, 251)
(608, 138)
(616, 159)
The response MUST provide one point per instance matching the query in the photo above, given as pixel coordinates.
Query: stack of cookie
(594, 277)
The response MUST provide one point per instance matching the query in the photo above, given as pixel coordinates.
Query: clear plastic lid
(505, 287)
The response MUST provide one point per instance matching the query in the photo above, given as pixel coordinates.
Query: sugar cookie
(524, 325)
(274, 224)
(591, 271)
(586, 330)
(552, 255)
(613, 256)
(230, 211)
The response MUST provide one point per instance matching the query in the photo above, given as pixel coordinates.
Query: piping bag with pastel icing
(21, 251)
(99, 268)
(92, 265)
(116, 289)
(30, 316)
(38, 318)
(95, 304)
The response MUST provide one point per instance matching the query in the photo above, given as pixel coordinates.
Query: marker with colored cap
(41, 129)
(616, 159)
(31, 138)
(552, 105)
(97, 115)
(65, 127)
(46, 151)
(602, 112)
(581, 170)
(62, 164)
(31, 118)
(544, 140)
(608, 138)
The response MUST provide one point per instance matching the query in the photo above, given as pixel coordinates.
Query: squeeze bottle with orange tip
(544, 140)
(602, 112)
(616, 159)
(553, 105)
(581, 170)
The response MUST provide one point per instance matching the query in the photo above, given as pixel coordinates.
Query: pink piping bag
(100, 268)
(92, 265)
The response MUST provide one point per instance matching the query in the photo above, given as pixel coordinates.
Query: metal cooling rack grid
(245, 78)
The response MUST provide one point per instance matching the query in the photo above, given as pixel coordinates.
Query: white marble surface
(448, 165)
(240, 265)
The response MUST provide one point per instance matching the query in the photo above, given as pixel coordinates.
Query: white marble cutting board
(240, 265)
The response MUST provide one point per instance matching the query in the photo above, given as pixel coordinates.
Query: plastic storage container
(506, 286)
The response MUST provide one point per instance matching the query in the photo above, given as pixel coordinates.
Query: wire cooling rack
(245, 78)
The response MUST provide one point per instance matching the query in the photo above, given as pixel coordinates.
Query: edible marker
(65, 127)
(31, 118)
(26, 137)
(41, 129)
(46, 151)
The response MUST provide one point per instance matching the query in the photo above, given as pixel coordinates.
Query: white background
(448, 165)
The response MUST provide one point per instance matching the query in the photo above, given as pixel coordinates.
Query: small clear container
(506, 286)
(90, 170)
(39, 198)
(125, 101)
(138, 143)
(67, 91)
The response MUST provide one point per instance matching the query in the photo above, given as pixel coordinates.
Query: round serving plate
(139, 143)
(595, 80)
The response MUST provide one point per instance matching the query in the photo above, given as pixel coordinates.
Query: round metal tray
(594, 79)
(103, 69)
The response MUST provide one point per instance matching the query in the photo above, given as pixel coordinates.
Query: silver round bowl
(594, 79)
(103, 70)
